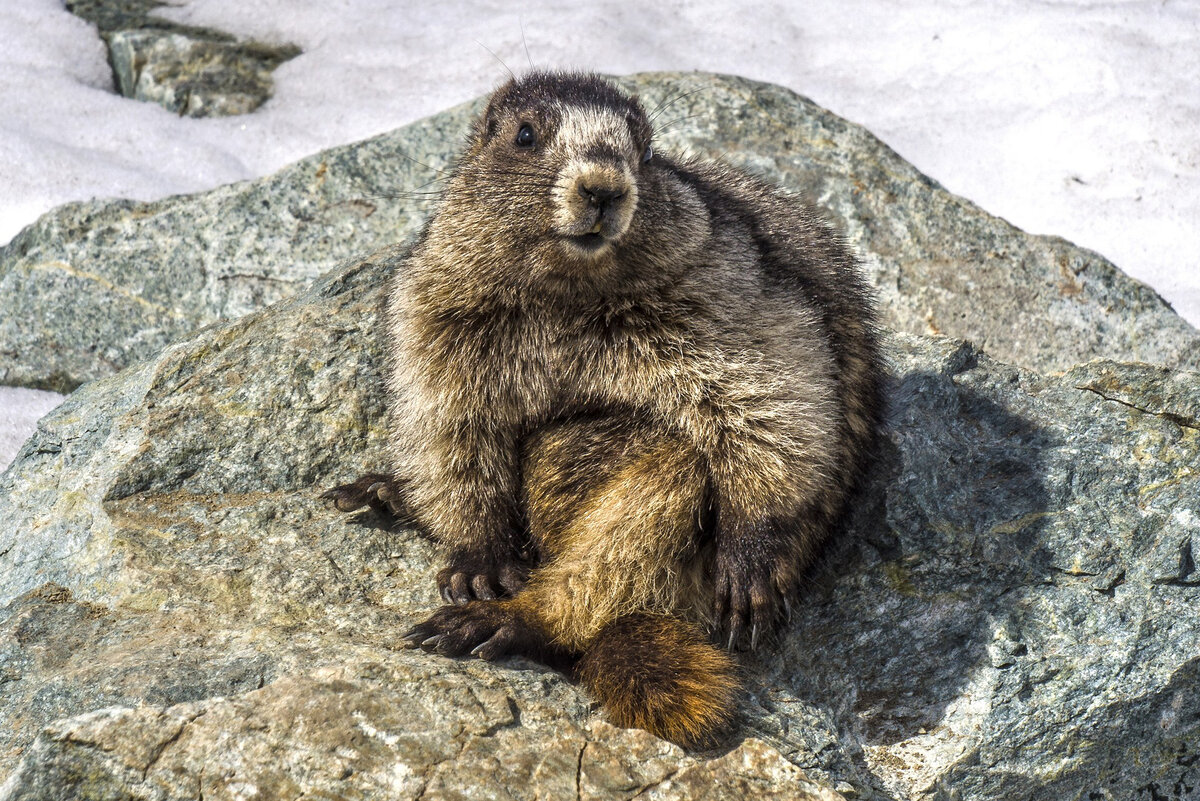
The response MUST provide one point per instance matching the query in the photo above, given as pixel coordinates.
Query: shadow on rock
(921, 591)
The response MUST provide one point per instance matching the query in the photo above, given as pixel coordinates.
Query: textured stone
(1011, 613)
(194, 77)
(121, 15)
(365, 731)
(192, 71)
(93, 287)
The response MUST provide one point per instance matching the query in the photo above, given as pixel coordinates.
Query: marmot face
(571, 156)
(595, 196)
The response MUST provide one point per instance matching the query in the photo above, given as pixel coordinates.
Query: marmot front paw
(376, 490)
(487, 630)
(474, 575)
(747, 599)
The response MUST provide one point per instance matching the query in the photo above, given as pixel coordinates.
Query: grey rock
(194, 77)
(93, 287)
(121, 15)
(1010, 613)
(192, 71)
(404, 731)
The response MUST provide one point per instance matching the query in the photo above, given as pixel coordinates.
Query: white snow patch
(20, 409)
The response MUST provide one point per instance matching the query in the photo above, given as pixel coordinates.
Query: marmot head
(558, 159)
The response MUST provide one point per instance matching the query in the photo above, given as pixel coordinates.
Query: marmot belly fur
(629, 395)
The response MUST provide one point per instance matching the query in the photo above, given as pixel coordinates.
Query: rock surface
(194, 77)
(111, 282)
(1011, 613)
(195, 72)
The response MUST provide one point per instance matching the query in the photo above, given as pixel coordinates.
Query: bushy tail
(662, 675)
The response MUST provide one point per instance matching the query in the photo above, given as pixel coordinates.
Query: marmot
(629, 394)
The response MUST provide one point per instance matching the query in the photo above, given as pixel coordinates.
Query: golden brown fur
(630, 396)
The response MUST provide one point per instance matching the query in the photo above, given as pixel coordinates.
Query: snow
(19, 413)
(1079, 118)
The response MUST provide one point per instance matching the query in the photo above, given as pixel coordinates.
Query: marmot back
(630, 395)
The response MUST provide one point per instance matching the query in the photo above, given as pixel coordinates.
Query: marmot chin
(629, 395)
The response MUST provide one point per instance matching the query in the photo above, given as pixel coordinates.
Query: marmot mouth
(590, 241)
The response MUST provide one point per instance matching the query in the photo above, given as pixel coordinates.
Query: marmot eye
(649, 154)
(526, 137)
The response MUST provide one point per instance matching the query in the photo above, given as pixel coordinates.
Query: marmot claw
(745, 597)
(478, 577)
(483, 629)
(380, 492)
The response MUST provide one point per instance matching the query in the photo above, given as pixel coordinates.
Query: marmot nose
(600, 197)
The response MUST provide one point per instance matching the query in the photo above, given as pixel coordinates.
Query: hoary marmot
(630, 395)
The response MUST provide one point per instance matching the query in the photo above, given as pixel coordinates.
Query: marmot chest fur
(629, 395)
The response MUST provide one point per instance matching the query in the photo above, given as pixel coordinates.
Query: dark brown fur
(630, 395)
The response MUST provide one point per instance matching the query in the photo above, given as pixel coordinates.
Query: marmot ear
(639, 126)
(487, 125)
